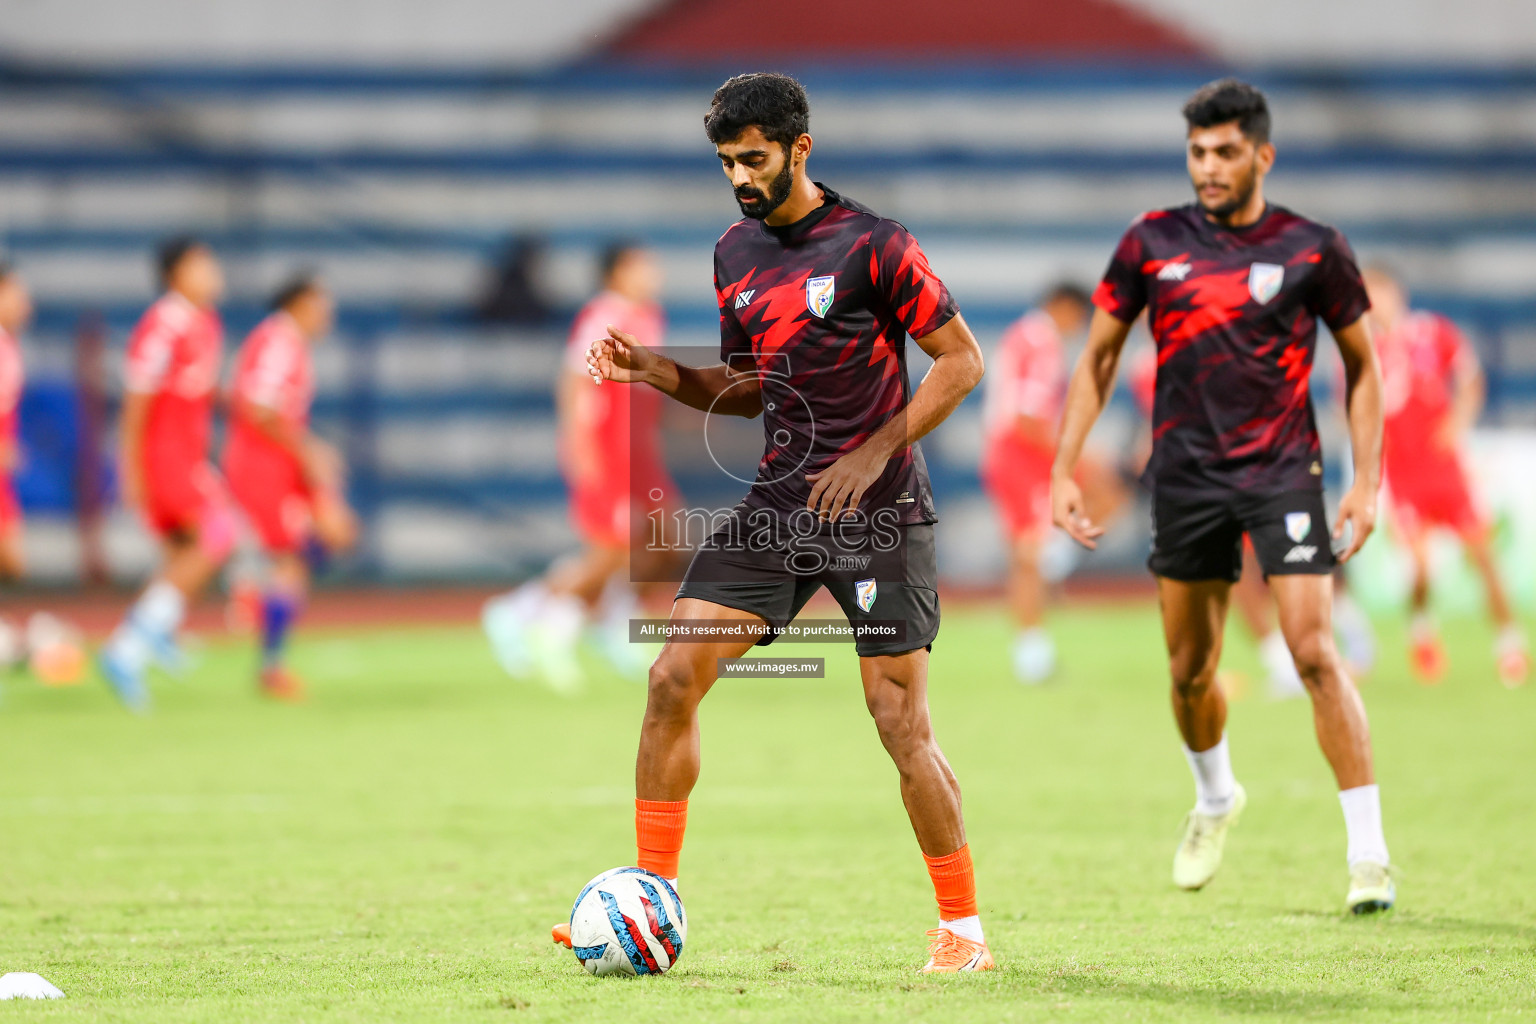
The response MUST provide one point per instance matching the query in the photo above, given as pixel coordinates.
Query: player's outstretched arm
(1362, 404)
(619, 357)
(1092, 383)
(957, 368)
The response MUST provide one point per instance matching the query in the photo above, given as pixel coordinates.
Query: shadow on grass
(1210, 998)
(1438, 923)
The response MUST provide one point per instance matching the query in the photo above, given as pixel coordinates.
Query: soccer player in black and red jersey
(1234, 288)
(817, 296)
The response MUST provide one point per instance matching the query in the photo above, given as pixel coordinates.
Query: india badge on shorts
(1298, 525)
(819, 292)
(864, 590)
(1264, 280)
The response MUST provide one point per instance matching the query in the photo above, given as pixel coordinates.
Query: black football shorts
(885, 581)
(1202, 539)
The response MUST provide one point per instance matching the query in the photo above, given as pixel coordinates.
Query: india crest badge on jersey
(1264, 280)
(1298, 525)
(819, 292)
(864, 590)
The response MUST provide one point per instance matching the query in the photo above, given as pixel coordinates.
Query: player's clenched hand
(619, 357)
(1069, 513)
(1358, 511)
(837, 490)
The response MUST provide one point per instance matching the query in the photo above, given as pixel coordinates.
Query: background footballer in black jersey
(1234, 289)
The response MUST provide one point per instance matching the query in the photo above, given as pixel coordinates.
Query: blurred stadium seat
(402, 184)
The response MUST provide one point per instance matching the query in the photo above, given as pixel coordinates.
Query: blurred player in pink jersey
(610, 455)
(1432, 388)
(172, 375)
(287, 481)
(1024, 393)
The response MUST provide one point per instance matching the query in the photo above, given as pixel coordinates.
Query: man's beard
(1240, 197)
(778, 191)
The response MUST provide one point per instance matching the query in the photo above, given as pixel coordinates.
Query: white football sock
(1511, 640)
(526, 599)
(160, 609)
(157, 614)
(1215, 785)
(965, 927)
(560, 619)
(1422, 626)
(1362, 822)
(1034, 655)
(617, 606)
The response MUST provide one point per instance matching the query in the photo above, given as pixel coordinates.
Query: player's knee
(1192, 672)
(902, 728)
(671, 690)
(1314, 655)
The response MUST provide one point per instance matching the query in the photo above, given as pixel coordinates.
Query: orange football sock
(659, 826)
(954, 883)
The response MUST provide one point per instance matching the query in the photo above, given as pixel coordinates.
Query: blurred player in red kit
(50, 647)
(287, 481)
(15, 315)
(171, 377)
(611, 458)
(1432, 387)
(1234, 289)
(1025, 387)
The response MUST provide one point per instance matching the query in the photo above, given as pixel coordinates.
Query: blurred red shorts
(182, 500)
(612, 517)
(1017, 477)
(1421, 502)
(10, 508)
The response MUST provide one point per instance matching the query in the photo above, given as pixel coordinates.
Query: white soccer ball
(628, 921)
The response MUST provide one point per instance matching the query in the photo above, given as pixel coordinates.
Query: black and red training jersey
(820, 310)
(1234, 313)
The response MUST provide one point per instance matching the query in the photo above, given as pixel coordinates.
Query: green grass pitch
(396, 849)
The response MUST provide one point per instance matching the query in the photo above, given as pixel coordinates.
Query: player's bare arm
(619, 357)
(135, 417)
(573, 415)
(1092, 383)
(1362, 403)
(1471, 390)
(957, 369)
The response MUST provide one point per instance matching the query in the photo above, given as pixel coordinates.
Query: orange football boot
(949, 953)
(280, 684)
(1514, 667)
(561, 933)
(1428, 659)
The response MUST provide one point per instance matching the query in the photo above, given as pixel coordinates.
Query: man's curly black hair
(775, 103)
